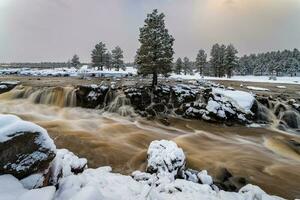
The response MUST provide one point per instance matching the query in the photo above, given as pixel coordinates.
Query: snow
(257, 88)
(205, 178)
(259, 79)
(84, 71)
(281, 87)
(165, 158)
(33, 181)
(11, 126)
(12, 189)
(65, 163)
(3, 87)
(102, 184)
(241, 99)
(213, 106)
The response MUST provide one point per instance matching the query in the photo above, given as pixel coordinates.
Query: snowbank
(85, 71)
(261, 79)
(102, 184)
(257, 88)
(12, 189)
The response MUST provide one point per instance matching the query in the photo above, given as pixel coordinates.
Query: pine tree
(75, 61)
(108, 60)
(201, 61)
(217, 60)
(178, 66)
(117, 58)
(155, 54)
(230, 60)
(99, 55)
(187, 67)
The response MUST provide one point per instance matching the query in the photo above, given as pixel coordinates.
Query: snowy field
(259, 79)
(73, 72)
(92, 72)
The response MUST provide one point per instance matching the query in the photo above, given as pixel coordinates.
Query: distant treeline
(277, 63)
(224, 62)
(45, 65)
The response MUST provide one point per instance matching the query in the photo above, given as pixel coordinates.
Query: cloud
(53, 30)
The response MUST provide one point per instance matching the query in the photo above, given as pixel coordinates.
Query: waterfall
(58, 96)
(121, 105)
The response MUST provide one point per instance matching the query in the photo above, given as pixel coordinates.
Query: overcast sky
(54, 30)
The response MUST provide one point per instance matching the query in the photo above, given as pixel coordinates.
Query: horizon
(52, 31)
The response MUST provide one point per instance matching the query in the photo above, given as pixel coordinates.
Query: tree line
(101, 57)
(223, 61)
(277, 63)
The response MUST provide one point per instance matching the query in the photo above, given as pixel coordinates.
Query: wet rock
(91, 96)
(295, 145)
(291, 118)
(263, 100)
(139, 97)
(227, 182)
(6, 86)
(25, 148)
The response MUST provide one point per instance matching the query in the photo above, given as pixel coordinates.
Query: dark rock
(92, 96)
(291, 118)
(22, 155)
(7, 86)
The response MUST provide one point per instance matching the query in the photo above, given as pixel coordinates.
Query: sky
(55, 30)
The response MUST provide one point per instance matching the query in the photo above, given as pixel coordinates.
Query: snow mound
(12, 189)
(165, 159)
(257, 88)
(65, 164)
(102, 184)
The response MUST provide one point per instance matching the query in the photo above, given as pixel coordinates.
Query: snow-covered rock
(65, 164)
(165, 158)
(25, 148)
(102, 184)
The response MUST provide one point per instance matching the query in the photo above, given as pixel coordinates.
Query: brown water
(262, 155)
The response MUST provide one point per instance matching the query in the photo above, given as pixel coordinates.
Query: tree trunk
(154, 79)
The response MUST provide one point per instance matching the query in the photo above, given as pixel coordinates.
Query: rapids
(115, 136)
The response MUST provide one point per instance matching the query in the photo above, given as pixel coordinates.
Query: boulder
(91, 96)
(166, 159)
(6, 86)
(25, 148)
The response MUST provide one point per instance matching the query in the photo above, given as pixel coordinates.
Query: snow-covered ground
(82, 72)
(262, 79)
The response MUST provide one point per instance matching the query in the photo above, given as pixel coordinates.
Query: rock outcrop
(25, 148)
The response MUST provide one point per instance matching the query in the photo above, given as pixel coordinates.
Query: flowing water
(116, 137)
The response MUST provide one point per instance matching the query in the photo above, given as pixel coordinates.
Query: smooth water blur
(262, 155)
